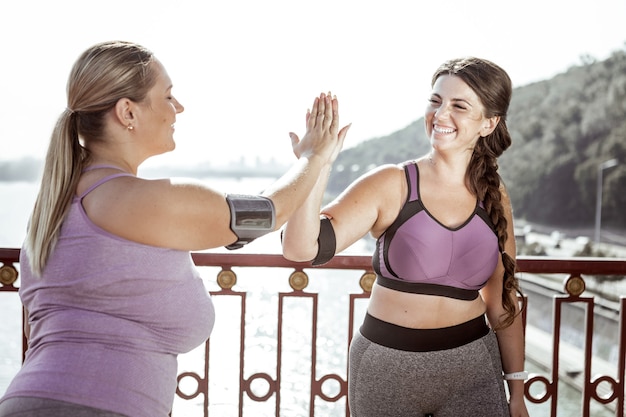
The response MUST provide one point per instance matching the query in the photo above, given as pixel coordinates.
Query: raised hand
(322, 136)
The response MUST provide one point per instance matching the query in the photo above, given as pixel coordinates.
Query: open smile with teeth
(439, 129)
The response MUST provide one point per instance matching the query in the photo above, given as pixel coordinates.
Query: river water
(262, 286)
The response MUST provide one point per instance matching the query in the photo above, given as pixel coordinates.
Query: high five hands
(322, 136)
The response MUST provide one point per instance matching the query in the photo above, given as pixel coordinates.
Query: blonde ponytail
(63, 165)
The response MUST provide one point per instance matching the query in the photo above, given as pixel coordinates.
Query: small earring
(130, 127)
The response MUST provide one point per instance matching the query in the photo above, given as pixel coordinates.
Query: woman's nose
(179, 107)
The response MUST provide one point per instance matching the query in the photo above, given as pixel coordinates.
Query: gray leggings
(462, 381)
(44, 407)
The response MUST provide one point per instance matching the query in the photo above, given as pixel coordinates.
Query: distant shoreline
(30, 169)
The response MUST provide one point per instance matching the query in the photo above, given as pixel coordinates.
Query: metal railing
(270, 387)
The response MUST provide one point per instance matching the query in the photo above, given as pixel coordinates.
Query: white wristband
(523, 375)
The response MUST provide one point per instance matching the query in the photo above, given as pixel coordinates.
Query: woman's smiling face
(454, 115)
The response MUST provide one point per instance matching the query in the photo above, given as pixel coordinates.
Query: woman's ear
(489, 126)
(124, 112)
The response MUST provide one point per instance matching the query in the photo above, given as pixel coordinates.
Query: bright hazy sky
(247, 70)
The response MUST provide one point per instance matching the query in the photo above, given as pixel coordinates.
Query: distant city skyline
(246, 71)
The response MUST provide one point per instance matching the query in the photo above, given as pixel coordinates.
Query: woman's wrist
(521, 375)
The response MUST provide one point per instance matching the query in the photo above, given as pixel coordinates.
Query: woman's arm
(369, 204)
(511, 338)
(26, 324)
(191, 215)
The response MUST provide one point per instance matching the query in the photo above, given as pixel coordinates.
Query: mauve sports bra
(418, 254)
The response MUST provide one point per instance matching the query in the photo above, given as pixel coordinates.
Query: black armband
(251, 216)
(326, 242)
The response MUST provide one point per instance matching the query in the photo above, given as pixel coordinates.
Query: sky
(247, 70)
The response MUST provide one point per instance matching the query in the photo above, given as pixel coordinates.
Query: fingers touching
(322, 114)
(322, 129)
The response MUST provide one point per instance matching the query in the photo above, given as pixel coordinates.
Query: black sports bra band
(427, 289)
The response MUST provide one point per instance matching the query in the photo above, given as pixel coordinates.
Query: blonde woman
(106, 276)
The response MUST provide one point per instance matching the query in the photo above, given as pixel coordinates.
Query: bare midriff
(421, 311)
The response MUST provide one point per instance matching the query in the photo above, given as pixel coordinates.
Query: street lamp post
(601, 167)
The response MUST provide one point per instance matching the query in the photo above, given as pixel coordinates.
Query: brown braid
(493, 86)
(484, 181)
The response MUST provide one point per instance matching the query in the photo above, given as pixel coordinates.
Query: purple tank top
(108, 318)
(418, 254)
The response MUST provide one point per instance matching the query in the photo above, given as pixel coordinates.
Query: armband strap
(251, 216)
(522, 375)
(326, 242)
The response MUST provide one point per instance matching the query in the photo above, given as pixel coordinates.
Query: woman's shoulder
(389, 169)
(381, 176)
(383, 184)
